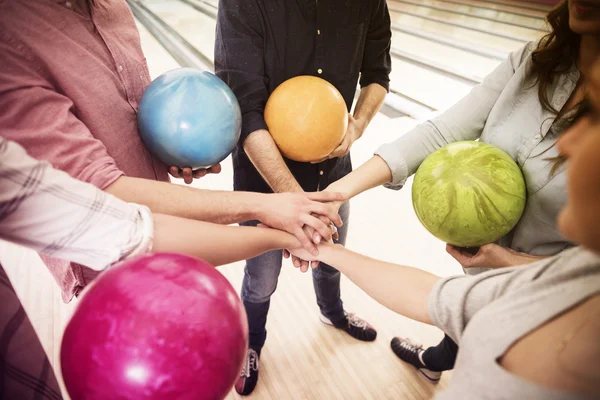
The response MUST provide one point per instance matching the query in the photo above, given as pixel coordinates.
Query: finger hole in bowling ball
(471, 251)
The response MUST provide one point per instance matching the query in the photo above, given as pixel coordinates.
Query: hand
(354, 131)
(489, 256)
(293, 212)
(304, 264)
(188, 175)
(302, 259)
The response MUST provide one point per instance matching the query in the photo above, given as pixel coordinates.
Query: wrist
(328, 252)
(257, 208)
(361, 127)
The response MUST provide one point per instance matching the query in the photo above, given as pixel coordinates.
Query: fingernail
(315, 253)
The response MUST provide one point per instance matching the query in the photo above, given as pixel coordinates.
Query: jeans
(260, 281)
(441, 357)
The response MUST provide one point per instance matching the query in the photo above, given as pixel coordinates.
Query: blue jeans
(260, 281)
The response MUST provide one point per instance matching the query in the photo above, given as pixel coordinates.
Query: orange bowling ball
(307, 118)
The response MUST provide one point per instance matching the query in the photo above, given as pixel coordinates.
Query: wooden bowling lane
(159, 60)
(507, 19)
(464, 62)
(523, 4)
(461, 34)
(501, 7)
(194, 26)
(426, 86)
(425, 10)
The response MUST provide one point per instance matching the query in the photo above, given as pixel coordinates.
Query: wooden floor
(303, 358)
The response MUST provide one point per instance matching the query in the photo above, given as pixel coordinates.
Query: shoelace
(357, 322)
(410, 346)
(251, 363)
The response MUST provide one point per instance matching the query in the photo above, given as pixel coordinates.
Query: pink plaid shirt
(71, 77)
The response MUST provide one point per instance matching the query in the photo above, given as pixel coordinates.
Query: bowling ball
(159, 326)
(469, 193)
(189, 118)
(307, 118)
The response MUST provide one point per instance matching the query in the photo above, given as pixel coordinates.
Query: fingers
(320, 161)
(339, 152)
(215, 169)
(200, 173)
(464, 260)
(174, 171)
(326, 196)
(326, 213)
(299, 263)
(304, 265)
(286, 254)
(186, 174)
(318, 225)
(305, 241)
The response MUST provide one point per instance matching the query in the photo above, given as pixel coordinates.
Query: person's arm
(239, 62)
(47, 210)
(404, 290)
(448, 303)
(463, 121)
(217, 244)
(369, 102)
(374, 77)
(41, 119)
(491, 256)
(375, 172)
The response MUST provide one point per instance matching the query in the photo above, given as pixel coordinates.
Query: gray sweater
(504, 111)
(486, 314)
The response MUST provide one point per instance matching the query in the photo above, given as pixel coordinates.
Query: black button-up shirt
(262, 43)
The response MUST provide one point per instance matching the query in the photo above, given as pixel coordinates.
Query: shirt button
(68, 4)
(320, 71)
(120, 68)
(321, 172)
(537, 137)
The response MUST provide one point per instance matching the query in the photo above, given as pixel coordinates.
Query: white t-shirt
(487, 313)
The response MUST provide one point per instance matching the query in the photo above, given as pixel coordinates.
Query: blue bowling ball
(189, 118)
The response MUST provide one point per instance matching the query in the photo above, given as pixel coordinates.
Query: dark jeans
(441, 357)
(260, 281)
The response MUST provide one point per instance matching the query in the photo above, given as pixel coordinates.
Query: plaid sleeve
(47, 210)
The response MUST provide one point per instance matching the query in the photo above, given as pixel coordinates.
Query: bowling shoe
(354, 326)
(249, 375)
(412, 353)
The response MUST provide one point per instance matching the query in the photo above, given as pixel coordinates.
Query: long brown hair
(556, 53)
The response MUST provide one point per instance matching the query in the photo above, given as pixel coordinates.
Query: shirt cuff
(396, 164)
(146, 226)
(100, 173)
(251, 122)
(433, 301)
(368, 79)
(147, 242)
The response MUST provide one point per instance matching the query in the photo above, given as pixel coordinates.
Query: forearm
(204, 205)
(373, 173)
(404, 290)
(369, 102)
(264, 154)
(216, 244)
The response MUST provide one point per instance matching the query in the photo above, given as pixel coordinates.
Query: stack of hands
(313, 217)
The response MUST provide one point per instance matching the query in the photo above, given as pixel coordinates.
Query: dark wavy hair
(556, 52)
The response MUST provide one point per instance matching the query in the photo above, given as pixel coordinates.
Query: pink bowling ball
(159, 326)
